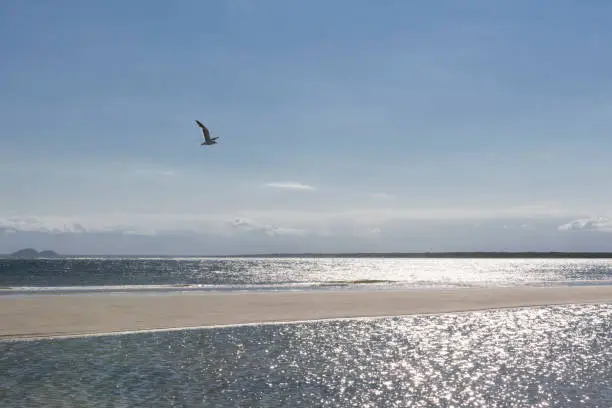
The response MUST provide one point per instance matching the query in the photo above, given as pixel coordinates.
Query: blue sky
(343, 125)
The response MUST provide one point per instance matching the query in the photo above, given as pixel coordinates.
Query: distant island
(29, 253)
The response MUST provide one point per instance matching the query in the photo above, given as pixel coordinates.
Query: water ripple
(558, 356)
(240, 272)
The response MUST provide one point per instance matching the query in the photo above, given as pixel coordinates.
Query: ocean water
(557, 356)
(292, 273)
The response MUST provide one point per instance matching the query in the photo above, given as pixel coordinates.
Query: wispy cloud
(291, 231)
(129, 224)
(156, 172)
(290, 185)
(289, 220)
(383, 196)
(376, 215)
(603, 224)
(518, 226)
(268, 229)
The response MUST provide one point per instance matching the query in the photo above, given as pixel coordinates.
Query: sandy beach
(73, 315)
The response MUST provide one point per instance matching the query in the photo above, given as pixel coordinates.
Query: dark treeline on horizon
(434, 255)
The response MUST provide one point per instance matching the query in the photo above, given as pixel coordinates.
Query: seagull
(207, 139)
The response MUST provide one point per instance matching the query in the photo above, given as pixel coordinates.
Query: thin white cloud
(270, 230)
(156, 172)
(292, 231)
(603, 224)
(141, 231)
(127, 224)
(290, 185)
(519, 226)
(383, 196)
(285, 222)
(375, 215)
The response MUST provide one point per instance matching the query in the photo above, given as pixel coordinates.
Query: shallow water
(558, 356)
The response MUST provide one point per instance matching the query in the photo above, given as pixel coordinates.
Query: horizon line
(395, 254)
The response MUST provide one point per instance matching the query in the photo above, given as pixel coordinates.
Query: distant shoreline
(433, 255)
(526, 255)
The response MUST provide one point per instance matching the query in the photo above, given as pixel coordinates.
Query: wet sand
(74, 315)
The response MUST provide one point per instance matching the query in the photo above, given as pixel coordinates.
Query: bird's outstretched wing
(204, 130)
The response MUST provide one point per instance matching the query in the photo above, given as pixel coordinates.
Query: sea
(553, 356)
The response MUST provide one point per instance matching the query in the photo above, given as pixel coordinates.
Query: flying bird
(207, 139)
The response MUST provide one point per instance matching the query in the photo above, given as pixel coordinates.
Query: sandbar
(74, 315)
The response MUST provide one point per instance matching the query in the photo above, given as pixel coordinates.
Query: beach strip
(74, 315)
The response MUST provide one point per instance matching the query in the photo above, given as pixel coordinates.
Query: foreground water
(557, 356)
(291, 273)
(554, 356)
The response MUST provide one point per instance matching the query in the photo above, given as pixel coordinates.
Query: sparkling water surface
(273, 273)
(557, 356)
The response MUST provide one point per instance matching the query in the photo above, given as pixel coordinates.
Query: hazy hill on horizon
(32, 253)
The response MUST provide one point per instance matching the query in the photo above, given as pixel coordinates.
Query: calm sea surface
(290, 273)
(557, 356)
